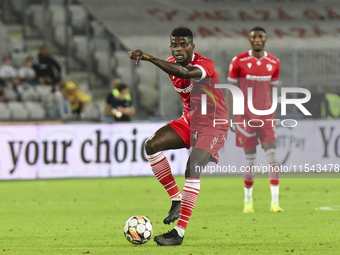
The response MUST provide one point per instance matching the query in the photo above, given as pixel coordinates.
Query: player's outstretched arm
(174, 69)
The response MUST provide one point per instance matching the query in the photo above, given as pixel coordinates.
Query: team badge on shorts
(214, 142)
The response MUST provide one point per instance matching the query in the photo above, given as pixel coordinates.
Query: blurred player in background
(183, 67)
(259, 70)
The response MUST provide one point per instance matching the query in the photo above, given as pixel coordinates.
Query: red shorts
(247, 137)
(208, 141)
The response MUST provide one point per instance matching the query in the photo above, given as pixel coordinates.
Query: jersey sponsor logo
(271, 60)
(258, 62)
(246, 58)
(249, 65)
(258, 78)
(186, 90)
(269, 67)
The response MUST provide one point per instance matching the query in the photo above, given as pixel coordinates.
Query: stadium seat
(101, 44)
(18, 59)
(5, 112)
(12, 94)
(17, 5)
(78, 17)
(124, 66)
(59, 33)
(58, 14)
(168, 99)
(102, 55)
(91, 111)
(5, 39)
(148, 96)
(36, 11)
(101, 107)
(103, 59)
(58, 19)
(81, 46)
(17, 44)
(98, 28)
(84, 88)
(36, 110)
(147, 87)
(47, 101)
(28, 93)
(43, 91)
(19, 111)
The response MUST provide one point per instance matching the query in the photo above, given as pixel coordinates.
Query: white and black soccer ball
(138, 229)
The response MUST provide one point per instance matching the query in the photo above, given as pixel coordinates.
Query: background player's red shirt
(259, 74)
(191, 97)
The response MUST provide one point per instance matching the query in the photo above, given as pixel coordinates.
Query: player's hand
(117, 113)
(139, 55)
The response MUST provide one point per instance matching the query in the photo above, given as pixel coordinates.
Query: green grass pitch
(86, 216)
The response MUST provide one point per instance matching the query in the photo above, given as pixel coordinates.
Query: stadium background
(91, 42)
(84, 213)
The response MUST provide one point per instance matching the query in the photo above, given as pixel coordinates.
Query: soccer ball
(138, 229)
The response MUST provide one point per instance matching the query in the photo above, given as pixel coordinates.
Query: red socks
(189, 197)
(161, 168)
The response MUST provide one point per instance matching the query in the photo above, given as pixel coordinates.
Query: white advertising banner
(84, 150)
(310, 144)
(112, 150)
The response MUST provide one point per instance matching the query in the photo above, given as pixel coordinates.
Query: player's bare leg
(164, 139)
(191, 189)
(274, 175)
(248, 178)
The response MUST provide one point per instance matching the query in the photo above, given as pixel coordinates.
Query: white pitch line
(329, 208)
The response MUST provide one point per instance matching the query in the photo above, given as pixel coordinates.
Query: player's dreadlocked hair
(184, 32)
(258, 29)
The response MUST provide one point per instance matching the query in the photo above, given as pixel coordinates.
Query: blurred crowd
(64, 99)
(60, 98)
(40, 70)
